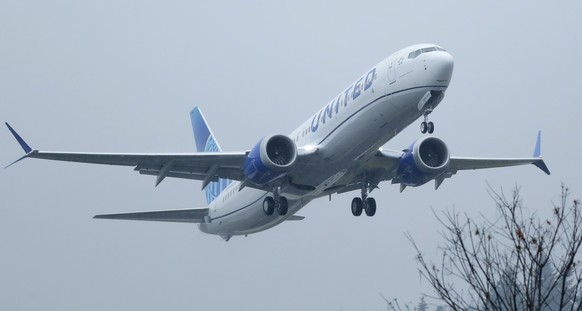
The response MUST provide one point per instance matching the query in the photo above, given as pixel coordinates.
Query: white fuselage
(353, 125)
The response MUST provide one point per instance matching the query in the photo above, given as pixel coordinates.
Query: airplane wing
(205, 166)
(459, 163)
(384, 165)
(189, 215)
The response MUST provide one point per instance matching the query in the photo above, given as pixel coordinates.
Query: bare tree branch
(515, 262)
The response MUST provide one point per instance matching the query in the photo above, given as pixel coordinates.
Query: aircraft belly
(374, 125)
(361, 135)
(368, 130)
(264, 222)
(241, 220)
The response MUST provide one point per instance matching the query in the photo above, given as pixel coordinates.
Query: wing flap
(196, 173)
(190, 215)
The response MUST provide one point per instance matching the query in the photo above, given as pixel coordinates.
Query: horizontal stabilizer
(189, 215)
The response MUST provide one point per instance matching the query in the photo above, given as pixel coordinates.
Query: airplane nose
(441, 66)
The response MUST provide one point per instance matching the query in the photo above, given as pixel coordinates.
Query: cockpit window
(414, 54)
(425, 50)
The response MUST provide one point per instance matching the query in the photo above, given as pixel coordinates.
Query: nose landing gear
(427, 126)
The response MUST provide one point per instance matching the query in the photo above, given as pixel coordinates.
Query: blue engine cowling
(426, 159)
(270, 158)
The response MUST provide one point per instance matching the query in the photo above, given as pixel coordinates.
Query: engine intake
(270, 158)
(431, 154)
(425, 160)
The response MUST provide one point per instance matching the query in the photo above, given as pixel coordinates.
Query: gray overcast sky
(122, 76)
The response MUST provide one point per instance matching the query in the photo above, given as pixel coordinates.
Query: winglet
(542, 166)
(21, 141)
(538, 148)
(538, 154)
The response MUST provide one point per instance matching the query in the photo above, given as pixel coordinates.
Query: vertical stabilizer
(205, 142)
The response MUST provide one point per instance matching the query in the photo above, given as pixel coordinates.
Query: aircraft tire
(282, 206)
(430, 127)
(423, 127)
(370, 207)
(269, 206)
(357, 206)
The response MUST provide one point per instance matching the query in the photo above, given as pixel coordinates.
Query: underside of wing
(458, 164)
(206, 166)
(427, 159)
(191, 215)
(379, 167)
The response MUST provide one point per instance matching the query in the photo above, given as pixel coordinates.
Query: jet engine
(426, 159)
(271, 158)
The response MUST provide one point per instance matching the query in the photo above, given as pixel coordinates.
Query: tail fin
(205, 142)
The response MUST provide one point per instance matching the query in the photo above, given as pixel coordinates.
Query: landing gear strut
(364, 203)
(427, 126)
(277, 202)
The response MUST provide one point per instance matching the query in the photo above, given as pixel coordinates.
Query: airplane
(337, 150)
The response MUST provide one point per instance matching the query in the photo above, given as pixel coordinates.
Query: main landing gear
(426, 126)
(364, 204)
(275, 202)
